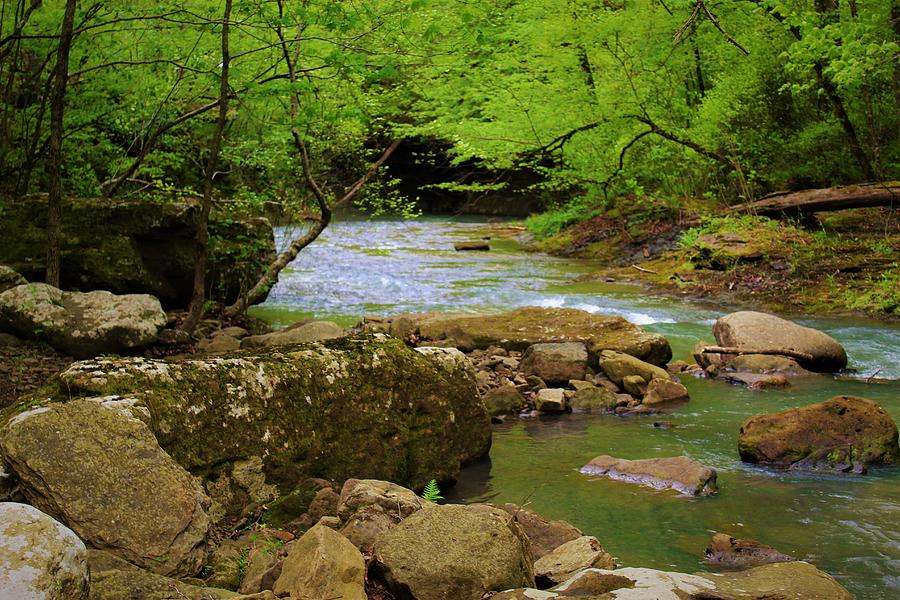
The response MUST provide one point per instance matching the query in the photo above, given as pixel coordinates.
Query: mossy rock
(136, 246)
(364, 406)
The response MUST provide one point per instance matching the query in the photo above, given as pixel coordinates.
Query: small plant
(431, 492)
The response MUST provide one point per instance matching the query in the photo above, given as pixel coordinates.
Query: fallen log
(825, 199)
(769, 351)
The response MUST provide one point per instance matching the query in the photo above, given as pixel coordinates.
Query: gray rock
(550, 400)
(82, 324)
(555, 363)
(756, 330)
(10, 278)
(98, 469)
(503, 401)
(678, 473)
(663, 391)
(618, 365)
(366, 526)
(454, 551)
(569, 558)
(312, 331)
(40, 558)
(322, 564)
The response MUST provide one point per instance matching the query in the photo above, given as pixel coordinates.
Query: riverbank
(834, 263)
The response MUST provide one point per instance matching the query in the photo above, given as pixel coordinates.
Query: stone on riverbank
(569, 558)
(504, 400)
(845, 433)
(40, 558)
(454, 552)
(98, 469)
(555, 363)
(550, 400)
(678, 473)
(365, 406)
(82, 325)
(756, 330)
(544, 535)
(729, 551)
(312, 331)
(523, 327)
(664, 391)
(322, 564)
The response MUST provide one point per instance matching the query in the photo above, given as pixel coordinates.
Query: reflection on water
(847, 525)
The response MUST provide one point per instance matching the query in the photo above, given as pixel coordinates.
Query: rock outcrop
(454, 552)
(82, 324)
(40, 558)
(678, 473)
(845, 433)
(366, 407)
(523, 327)
(136, 246)
(94, 466)
(750, 330)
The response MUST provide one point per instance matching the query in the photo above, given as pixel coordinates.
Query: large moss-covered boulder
(136, 246)
(523, 327)
(454, 552)
(354, 407)
(845, 433)
(750, 330)
(82, 324)
(40, 558)
(98, 469)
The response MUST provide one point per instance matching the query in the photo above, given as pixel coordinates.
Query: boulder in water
(678, 473)
(619, 365)
(729, 551)
(749, 330)
(82, 324)
(845, 433)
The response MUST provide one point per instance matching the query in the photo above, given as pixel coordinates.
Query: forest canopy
(601, 100)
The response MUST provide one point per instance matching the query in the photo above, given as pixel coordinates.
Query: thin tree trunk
(54, 153)
(198, 296)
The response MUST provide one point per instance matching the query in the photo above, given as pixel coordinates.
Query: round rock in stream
(845, 433)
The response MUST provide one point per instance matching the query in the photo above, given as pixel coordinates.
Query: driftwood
(769, 351)
(825, 199)
(643, 270)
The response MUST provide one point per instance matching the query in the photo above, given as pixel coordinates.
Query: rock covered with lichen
(252, 424)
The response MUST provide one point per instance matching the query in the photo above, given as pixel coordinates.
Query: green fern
(431, 492)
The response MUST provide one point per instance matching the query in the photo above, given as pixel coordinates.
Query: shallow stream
(846, 525)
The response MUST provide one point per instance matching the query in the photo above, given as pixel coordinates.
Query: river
(848, 526)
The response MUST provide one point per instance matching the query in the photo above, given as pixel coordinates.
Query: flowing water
(846, 525)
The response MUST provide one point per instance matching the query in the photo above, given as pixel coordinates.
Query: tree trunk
(838, 198)
(60, 77)
(198, 295)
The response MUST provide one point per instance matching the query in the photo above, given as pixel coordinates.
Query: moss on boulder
(364, 406)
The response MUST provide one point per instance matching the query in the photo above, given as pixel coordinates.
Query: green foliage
(431, 492)
(551, 222)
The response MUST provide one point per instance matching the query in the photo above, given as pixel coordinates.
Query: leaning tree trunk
(54, 152)
(198, 296)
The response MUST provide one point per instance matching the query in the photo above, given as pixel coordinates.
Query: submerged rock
(756, 330)
(40, 558)
(523, 327)
(366, 407)
(454, 552)
(678, 473)
(82, 325)
(845, 433)
(99, 470)
(729, 551)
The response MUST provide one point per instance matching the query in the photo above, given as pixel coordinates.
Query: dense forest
(579, 108)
